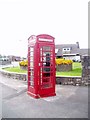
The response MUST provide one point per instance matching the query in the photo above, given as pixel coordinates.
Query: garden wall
(64, 67)
(23, 67)
(69, 80)
(86, 69)
(19, 76)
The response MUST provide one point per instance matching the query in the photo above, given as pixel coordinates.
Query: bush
(57, 61)
(23, 63)
(63, 61)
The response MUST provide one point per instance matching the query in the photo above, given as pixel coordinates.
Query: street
(69, 102)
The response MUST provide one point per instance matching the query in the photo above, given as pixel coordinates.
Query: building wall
(75, 57)
(69, 57)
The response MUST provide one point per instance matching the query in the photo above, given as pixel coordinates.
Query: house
(70, 51)
(14, 58)
(4, 60)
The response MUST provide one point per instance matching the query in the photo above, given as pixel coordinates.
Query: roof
(74, 48)
(83, 51)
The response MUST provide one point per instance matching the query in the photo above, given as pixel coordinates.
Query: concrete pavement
(69, 102)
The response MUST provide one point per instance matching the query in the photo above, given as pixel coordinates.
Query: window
(31, 66)
(66, 50)
(46, 60)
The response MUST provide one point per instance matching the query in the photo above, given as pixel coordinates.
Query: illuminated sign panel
(43, 39)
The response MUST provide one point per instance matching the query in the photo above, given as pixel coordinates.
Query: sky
(66, 20)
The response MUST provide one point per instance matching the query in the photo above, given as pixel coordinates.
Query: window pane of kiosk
(31, 66)
(31, 49)
(47, 55)
(40, 51)
(31, 81)
(31, 58)
(47, 48)
(41, 59)
(31, 53)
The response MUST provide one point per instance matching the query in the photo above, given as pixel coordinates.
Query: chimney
(77, 43)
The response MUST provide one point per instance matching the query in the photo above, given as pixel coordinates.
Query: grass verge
(15, 69)
(76, 70)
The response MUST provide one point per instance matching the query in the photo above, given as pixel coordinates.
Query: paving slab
(69, 102)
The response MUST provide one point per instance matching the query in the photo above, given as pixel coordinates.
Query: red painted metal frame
(37, 90)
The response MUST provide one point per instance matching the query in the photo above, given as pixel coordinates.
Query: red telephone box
(41, 66)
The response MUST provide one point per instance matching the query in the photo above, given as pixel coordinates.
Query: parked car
(74, 60)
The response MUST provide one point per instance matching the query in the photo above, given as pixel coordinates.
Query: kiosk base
(40, 96)
(33, 95)
(48, 95)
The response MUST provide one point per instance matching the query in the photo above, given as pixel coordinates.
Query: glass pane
(41, 59)
(40, 49)
(41, 69)
(47, 59)
(31, 83)
(31, 64)
(44, 59)
(31, 58)
(46, 69)
(46, 74)
(46, 53)
(31, 69)
(47, 48)
(32, 73)
(31, 80)
(44, 64)
(40, 52)
(31, 53)
(31, 49)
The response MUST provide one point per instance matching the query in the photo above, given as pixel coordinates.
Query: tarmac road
(70, 101)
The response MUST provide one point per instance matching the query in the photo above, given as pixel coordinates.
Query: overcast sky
(66, 20)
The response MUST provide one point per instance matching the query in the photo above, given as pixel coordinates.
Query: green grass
(15, 69)
(76, 71)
